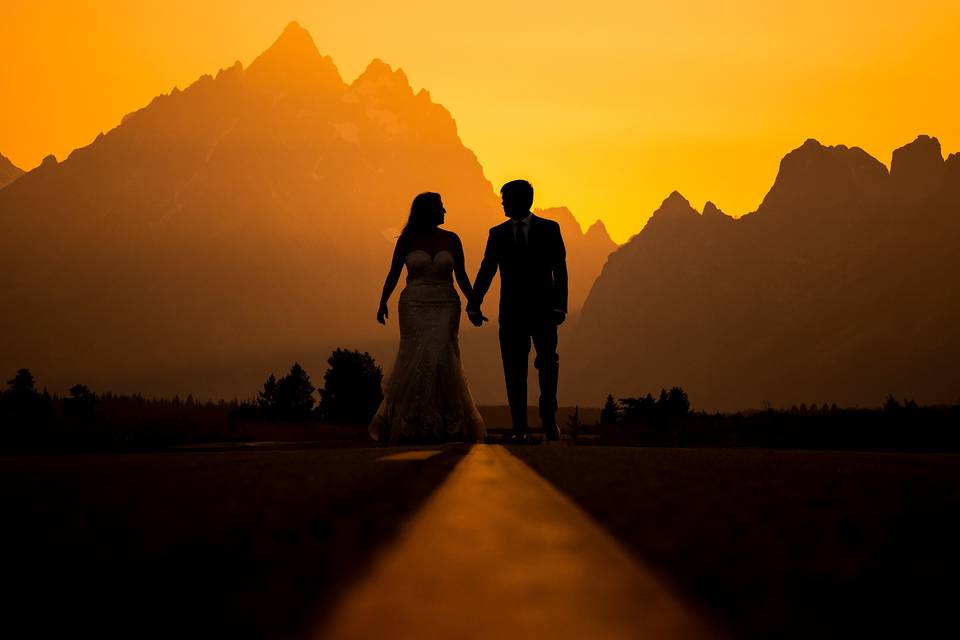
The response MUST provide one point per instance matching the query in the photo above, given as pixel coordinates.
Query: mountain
(8, 172)
(586, 252)
(841, 287)
(227, 229)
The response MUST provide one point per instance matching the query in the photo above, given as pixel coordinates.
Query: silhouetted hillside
(841, 287)
(231, 227)
(8, 171)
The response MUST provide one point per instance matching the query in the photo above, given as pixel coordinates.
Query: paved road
(223, 544)
(497, 552)
(282, 543)
(782, 543)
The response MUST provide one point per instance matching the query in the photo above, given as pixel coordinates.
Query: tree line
(32, 418)
(668, 420)
(351, 393)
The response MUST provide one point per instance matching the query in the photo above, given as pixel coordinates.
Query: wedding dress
(426, 397)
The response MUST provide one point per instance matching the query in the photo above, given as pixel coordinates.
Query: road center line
(498, 552)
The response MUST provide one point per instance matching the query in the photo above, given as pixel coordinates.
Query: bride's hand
(383, 313)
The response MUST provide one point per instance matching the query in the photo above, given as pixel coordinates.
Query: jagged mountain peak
(379, 78)
(674, 208)
(814, 170)
(675, 204)
(675, 196)
(598, 230)
(952, 163)
(294, 62)
(563, 216)
(917, 163)
(711, 211)
(8, 171)
(233, 71)
(380, 69)
(294, 37)
(812, 150)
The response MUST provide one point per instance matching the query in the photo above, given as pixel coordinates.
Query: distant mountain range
(842, 287)
(227, 229)
(8, 172)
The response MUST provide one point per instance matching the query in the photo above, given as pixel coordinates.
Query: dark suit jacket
(533, 279)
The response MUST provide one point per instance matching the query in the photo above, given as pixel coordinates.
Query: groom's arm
(488, 269)
(560, 276)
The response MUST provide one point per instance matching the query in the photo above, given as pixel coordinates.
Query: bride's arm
(460, 269)
(393, 276)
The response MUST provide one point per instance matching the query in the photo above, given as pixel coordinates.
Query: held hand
(559, 316)
(383, 313)
(476, 318)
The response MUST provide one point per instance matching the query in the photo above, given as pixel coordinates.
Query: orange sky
(605, 106)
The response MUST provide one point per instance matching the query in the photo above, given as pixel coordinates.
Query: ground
(267, 542)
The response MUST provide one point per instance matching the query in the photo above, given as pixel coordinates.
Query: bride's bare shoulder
(451, 237)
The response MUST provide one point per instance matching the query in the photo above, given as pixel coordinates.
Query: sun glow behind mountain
(606, 109)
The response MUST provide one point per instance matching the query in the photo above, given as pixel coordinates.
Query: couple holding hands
(426, 398)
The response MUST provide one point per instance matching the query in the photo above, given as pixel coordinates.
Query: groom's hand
(559, 316)
(476, 318)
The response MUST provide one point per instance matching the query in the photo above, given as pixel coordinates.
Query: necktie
(521, 237)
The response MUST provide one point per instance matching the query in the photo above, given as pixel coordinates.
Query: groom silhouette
(531, 257)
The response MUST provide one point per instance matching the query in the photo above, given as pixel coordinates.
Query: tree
(81, 405)
(891, 405)
(267, 398)
(678, 404)
(22, 383)
(22, 404)
(289, 398)
(635, 410)
(610, 412)
(295, 394)
(352, 389)
(574, 425)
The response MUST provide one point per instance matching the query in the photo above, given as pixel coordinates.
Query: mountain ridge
(226, 229)
(840, 287)
(8, 171)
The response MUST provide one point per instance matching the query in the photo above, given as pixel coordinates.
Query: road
(540, 541)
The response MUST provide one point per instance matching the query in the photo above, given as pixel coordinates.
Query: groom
(529, 252)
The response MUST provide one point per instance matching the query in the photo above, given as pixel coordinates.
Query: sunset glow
(606, 109)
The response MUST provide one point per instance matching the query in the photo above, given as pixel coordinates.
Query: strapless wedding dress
(426, 397)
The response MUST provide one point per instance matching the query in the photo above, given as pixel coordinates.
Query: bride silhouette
(426, 397)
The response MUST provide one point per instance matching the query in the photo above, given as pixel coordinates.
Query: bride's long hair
(424, 214)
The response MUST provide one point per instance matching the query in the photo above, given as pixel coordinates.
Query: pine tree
(294, 394)
(610, 412)
(351, 388)
(81, 405)
(267, 399)
(22, 383)
(678, 404)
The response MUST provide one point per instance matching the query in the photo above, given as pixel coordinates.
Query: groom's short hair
(519, 190)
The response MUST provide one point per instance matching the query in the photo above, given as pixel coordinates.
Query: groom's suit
(533, 298)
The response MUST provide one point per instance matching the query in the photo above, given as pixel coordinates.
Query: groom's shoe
(551, 432)
(520, 437)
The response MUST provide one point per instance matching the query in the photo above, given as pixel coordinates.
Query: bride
(426, 397)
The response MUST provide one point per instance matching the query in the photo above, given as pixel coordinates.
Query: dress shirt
(524, 227)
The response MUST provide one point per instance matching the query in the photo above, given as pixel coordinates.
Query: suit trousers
(515, 339)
